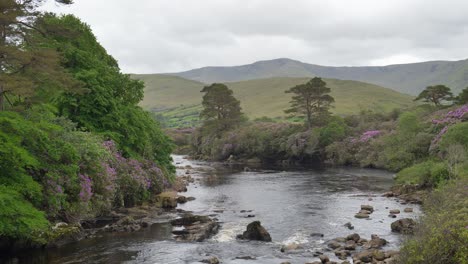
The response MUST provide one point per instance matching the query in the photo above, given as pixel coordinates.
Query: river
(291, 204)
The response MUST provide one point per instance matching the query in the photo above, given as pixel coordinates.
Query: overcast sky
(149, 36)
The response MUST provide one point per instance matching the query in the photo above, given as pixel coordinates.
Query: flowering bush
(451, 118)
(132, 181)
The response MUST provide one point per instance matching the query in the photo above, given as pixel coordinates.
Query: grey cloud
(148, 36)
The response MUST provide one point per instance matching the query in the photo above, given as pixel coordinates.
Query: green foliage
(334, 131)
(110, 105)
(311, 100)
(456, 134)
(19, 219)
(462, 98)
(436, 94)
(29, 71)
(428, 173)
(408, 124)
(442, 236)
(221, 110)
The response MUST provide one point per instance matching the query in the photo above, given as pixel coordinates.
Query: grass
(173, 97)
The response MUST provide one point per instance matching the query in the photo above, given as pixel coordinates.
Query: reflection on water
(291, 203)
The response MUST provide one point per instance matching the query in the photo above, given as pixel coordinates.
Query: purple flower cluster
(121, 171)
(449, 119)
(452, 117)
(86, 187)
(366, 136)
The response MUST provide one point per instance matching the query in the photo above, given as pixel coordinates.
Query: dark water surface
(291, 204)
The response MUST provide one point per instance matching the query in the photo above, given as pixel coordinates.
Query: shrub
(19, 219)
(428, 173)
(442, 236)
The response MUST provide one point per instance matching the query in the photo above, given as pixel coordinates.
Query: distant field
(264, 97)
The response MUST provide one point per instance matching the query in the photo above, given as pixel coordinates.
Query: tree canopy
(436, 94)
(462, 98)
(311, 100)
(221, 110)
(110, 104)
(28, 70)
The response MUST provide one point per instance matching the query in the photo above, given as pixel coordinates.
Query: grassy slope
(266, 97)
(164, 91)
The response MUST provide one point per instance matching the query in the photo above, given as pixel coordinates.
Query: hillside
(406, 78)
(263, 97)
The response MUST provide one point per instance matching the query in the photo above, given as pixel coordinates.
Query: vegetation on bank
(74, 144)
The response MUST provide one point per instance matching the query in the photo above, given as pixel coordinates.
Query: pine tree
(221, 110)
(311, 100)
(435, 94)
(26, 66)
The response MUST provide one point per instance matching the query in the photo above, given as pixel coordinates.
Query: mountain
(264, 97)
(405, 78)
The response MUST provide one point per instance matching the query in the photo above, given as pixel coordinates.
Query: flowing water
(291, 204)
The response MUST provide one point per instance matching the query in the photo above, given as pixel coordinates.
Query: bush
(19, 219)
(455, 135)
(442, 236)
(428, 173)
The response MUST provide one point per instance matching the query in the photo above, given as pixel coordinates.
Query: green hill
(178, 99)
(409, 78)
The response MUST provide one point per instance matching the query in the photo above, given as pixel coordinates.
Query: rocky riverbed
(309, 215)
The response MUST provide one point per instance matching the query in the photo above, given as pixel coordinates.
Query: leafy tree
(435, 94)
(110, 105)
(311, 100)
(27, 69)
(462, 98)
(221, 110)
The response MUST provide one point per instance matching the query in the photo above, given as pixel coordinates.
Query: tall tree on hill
(25, 65)
(462, 98)
(311, 100)
(436, 94)
(221, 110)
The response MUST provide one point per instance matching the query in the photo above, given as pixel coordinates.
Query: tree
(26, 67)
(462, 98)
(435, 94)
(221, 110)
(311, 100)
(110, 105)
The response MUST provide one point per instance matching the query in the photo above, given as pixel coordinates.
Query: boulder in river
(181, 199)
(367, 207)
(361, 215)
(394, 211)
(375, 243)
(408, 210)
(255, 231)
(404, 226)
(196, 228)
(350, 245)
(334, 244)
(354, 237)
(349, 226)
(324, 258)
(212, 260)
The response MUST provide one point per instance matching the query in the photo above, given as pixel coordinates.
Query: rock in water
(405, 226)
(196, 228)
(408, 210)
(212, 260)
(255, 231)
(349, 226)
(367, 207)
